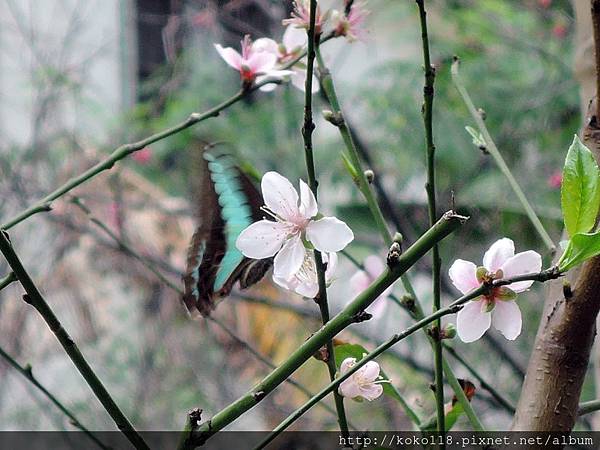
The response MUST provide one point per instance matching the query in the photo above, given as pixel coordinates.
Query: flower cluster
(292, 234)
(265, 59)
(499, 262)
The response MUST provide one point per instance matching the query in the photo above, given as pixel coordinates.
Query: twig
(28, 374)
(307, 129)
(450, 309)
(428, 92)
(499, 160)
(34, 298)
(194, 437)
(588, 407)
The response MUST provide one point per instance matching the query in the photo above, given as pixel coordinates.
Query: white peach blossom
(364, 383)
(499, 306)
(295, 226)
(362, 279)
(305, 281)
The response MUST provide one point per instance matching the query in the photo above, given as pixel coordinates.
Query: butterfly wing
(230, 203)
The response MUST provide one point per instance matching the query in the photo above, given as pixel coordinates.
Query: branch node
(393, 256)
(258, 395)
(195, 417)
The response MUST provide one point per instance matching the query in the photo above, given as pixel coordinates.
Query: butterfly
(229, 202)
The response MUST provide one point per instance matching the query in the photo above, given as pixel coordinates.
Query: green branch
(350, 314)
(453, 308)
(27, 372)
(428, 92)
(307, 130)
(35, 299)
(491, 148)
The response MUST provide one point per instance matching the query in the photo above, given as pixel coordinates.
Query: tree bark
(559, 360)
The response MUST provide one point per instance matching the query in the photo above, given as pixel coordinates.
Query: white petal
(331, 259)
(308, 203)
(471, 323)
(370, 371)
(346, 365)
(287, 283)
(261, 62)
(498, 253)
(349, 388)
(267, 87)
(290, 258)
(463, 275)
(294, 37)
(329, 234)
(279, 195)
(265, 45)
(231, 57)
(262, 239)
(308, 289)
(506, 318)
(521, 264)
(371, 391)
(298, 79)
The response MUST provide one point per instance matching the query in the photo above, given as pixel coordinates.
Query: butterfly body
(229, 202)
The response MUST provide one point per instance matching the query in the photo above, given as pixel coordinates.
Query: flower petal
(290, 258)
(349, 388)
(279, 195)
(262, 239)
(359, 282)
(329, 234)
(308, 289)
(498, 253)
(521, 264)
(371, 391)
(346, 365)
(463, 275)
(374, 266)
(261, 62)
(331, 259)
(298, 80)
(294, 38)
(370, 371)
(471, 322)
(506, 318)
(265, 45)
(231, 57)
(308, 202)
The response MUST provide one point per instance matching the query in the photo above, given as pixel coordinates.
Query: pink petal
(346, 365)
(279, 195)
(349, 388)
(506, 318)
(262, 239)
(498, 253)
(294, 38)
(231, 57)
(370, 371)
(308, 203)
(371, 391)
(471, 323)
(290, 258)
(359, 282)
(463, 275)
(521, 264)
(329, 234)
(374, 266)
(261, 62)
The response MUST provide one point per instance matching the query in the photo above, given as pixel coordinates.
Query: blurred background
(78, 78)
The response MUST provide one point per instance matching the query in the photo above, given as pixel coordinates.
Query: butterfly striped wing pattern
(229, 202)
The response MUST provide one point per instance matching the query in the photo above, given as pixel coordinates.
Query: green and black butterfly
(229, 202)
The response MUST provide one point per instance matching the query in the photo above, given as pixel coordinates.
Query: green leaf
(358, 351)
(478, 139)
(580, 191)
(580, 248)
(451, 418)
